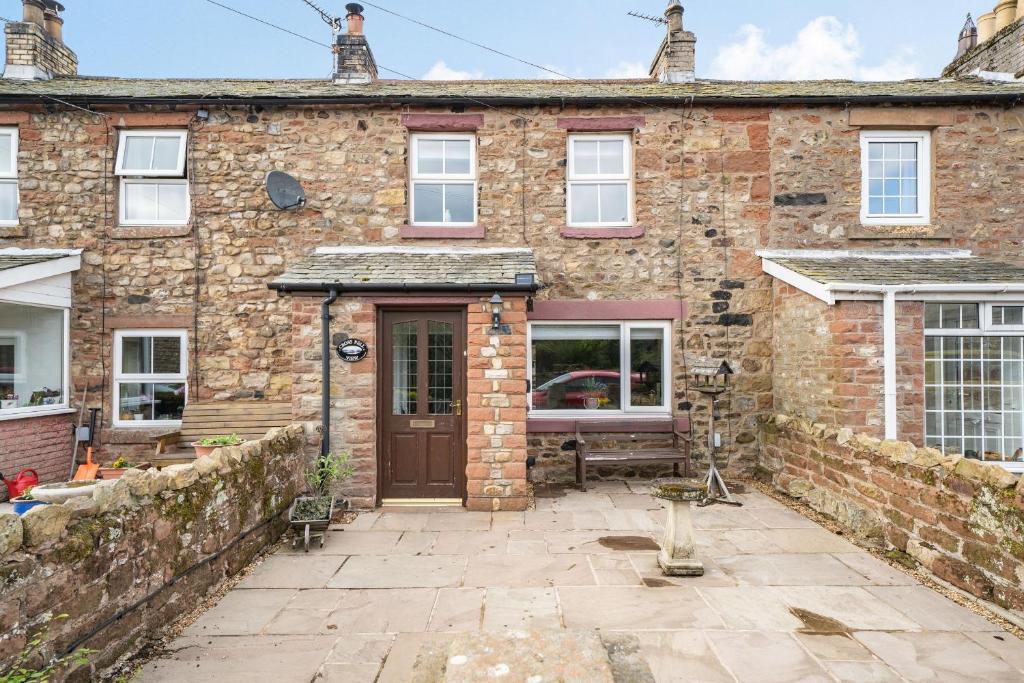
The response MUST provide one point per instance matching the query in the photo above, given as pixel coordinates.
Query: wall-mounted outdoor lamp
(496, 305)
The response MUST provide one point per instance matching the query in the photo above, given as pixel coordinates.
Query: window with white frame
(974, 381)
(443, 179)
(600, 181)
(150, 383)
(154, 187)
(578, 367)
(8, 176)
(33, 359)
(895, 177)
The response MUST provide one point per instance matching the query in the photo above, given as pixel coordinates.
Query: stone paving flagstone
(403, 596)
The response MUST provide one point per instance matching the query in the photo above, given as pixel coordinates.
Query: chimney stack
(968, 37)
(676, 61)
(353, 59)
(35, 45)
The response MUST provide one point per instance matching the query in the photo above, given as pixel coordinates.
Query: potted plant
(25, 502)
(117, 468)
(9, 401)
(313, 511)
(594, 392)
(208, 445)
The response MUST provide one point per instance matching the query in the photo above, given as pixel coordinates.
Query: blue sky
(862, 39)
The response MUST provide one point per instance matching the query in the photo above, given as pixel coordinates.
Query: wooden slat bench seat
(635, 452)
(250, 420)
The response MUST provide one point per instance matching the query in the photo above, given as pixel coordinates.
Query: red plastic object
(24, 480)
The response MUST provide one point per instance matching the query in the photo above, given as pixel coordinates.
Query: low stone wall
(961, 519)
(142, 549)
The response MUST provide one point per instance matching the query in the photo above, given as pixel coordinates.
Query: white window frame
(415, 177)
(923, 139)
(9, 176)
(64, 406)
(624, 367)
(985, 329)
(147, 378)
(574, 178)
(130, 176)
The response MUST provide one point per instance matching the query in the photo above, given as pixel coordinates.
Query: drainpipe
(889, 358)
(325, 372)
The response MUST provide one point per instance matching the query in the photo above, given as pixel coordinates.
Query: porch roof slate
(931, 267)
(14, 257)
(415, 267)
(99, 89)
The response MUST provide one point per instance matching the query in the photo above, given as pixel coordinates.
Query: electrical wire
(267, 23)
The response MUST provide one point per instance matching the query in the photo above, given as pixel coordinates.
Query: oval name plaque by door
(352, 350)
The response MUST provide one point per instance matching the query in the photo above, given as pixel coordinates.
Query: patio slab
(782, 599)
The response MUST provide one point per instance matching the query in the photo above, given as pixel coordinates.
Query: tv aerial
(647, 17)
(285, 191)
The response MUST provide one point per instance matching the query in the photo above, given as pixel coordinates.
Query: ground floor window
(974, 381)
(150, 384)
(580, 367)
(33, 359)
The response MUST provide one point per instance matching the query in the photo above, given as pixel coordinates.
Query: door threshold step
(421, 502)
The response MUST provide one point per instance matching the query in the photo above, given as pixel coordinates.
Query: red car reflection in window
(576, 387)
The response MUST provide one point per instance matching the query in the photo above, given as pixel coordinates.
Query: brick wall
(828, 363)
(30, 45)
(1003, 53)
(138, 537)
(40, 443)
(961, 519)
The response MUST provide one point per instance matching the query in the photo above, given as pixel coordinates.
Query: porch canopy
(401, 270)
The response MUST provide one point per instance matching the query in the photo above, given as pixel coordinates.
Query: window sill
(147, 231)
(428, 232)
(13, 230)
(561, 424)
(597, 233)
(123, 434)
(62, 410)
(895, 232)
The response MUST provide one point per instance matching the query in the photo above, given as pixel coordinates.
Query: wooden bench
(636, 453)
(248, 419)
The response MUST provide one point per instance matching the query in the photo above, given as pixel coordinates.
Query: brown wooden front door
(422, 399)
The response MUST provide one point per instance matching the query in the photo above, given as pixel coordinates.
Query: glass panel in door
(440, 366)
(404, 366)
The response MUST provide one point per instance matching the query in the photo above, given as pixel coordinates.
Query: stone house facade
(179, 252)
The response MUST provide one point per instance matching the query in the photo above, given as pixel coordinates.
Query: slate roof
(898, 268)
(416, 267)
(26, 258)
(97, 89)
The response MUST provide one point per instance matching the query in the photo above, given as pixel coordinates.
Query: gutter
(401, 287)
(680, 100)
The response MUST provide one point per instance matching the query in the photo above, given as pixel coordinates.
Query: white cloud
(824, 48)
(442, 72)
(627, 70)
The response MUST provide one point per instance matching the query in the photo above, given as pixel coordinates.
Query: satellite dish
(284, 190)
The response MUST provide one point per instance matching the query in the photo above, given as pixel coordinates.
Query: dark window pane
(166, 355)
(646, 349)
(576, 367)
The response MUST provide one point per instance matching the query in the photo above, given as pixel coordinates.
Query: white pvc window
(579, 368)
(895, 177)
(34, 353)
(974, 381)
(443, 179)
(9, 176)
(151, 165)
(150, 377)
(599, 191)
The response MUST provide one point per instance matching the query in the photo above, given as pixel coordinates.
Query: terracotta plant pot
(203, 451)
(118, 472)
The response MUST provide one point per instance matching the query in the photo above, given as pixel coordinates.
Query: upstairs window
(895, 178)
(443, 179)
(600, 181)
(151, 165)
(8, 176)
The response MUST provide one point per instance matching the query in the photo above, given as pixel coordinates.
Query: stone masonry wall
(828, 362)
(40, 443)
(712, 187)
(961, 519)
(135, 542)
(1003, 53)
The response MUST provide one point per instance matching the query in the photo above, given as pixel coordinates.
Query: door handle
(457, 407)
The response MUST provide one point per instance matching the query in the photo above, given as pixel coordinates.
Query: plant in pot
(208, 445)
(117, 468)
(313, 511)
(595, 393)
(25, 502)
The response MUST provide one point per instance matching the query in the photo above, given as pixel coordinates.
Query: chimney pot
(54, 24)
(33, 12)
(355, 18)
